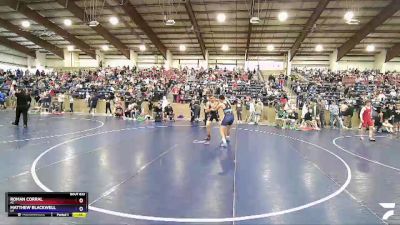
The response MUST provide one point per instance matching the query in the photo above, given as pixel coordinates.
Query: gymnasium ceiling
(310, 22)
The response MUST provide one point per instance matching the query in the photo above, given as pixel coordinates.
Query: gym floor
(146, 173)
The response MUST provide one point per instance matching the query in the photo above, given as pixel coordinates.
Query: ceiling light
(282, 16)
(319, 48)
(26, 23)
(255, 20)
(370, 48)
(142, 48)
(105, 47)
(270, 47)
(70, 48)
(349, 15)
(221, 17)
(93, 23)
(67, 22)
(169, 22)
(225, 47)
(182, 48)
(353, 22)
(114, 20)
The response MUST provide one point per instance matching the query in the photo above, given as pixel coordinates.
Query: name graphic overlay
(45, 204)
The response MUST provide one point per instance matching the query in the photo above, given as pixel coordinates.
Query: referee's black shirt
(23, 99)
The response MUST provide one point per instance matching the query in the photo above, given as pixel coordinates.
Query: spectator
(2, 100)
(71, 103)
(309, 122)
(334, 115)
(252, 112)
(239, 109)
(258, 108)
(61, 101)
(320, 113)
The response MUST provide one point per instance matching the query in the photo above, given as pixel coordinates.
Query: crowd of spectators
(127, 89)
(343, 94)
(134, 93)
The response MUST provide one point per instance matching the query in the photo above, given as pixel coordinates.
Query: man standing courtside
(23, 104)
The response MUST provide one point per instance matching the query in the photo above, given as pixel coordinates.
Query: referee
(23, 104)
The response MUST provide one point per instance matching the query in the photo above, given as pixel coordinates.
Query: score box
(47, 204)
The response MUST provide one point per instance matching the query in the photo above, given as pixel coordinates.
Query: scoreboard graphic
(47, 204)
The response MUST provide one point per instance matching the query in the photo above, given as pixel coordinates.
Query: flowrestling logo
(390, 212)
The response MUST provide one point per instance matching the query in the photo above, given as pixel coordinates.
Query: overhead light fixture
(182, 48)
(221, 17)
(353, 22)
(105, 47)
(225, 47)
(70, 48)
(270, 47)
(93, 23)
(169, 22)
(319, 48)
(142, 48)
(282, 16)
(25, 24)
(114, 20)
(349, 15)
(67, 22)
(370, 48)
(255, 20)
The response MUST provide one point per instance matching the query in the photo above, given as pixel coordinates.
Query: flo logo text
(390, 212)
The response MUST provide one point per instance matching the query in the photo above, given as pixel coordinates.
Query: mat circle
(199, 220)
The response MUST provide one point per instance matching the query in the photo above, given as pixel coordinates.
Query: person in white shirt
(304, 110)
(381, 97)
(387, 126)
(164, 103)
(393, 93)
(60, 100)
(71, 103)
(298, 89)
(258, 108)
(252, 112)
(87, 98)
(371, 78)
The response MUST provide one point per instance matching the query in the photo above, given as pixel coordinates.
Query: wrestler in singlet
(367, 117)
(228, 114)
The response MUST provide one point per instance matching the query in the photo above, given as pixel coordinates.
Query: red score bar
(54, 201)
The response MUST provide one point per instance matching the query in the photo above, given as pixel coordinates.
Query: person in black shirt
(157, 109)
(108, 104)
(23, 104)
(309, 121)
(396, 121)
(169, 113)
(93, 103)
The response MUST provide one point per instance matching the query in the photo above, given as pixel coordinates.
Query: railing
(260, 75)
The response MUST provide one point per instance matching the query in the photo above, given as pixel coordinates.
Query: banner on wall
(6, 66)
(264, 65)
